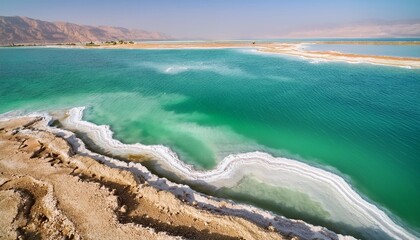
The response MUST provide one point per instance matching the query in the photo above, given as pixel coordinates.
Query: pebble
(123, 209)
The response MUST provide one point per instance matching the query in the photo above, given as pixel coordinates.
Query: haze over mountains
(362, 29)
(27, 30)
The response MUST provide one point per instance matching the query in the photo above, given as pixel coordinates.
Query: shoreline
(290, 49)
(332, 56)
(329, 189)
(225, 174)
(57, 163)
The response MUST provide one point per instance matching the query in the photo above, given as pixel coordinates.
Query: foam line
(331, 190)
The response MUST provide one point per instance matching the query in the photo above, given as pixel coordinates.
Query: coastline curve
(335, 195)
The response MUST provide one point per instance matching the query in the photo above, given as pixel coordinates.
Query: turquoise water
(362, 120)
(381, 50)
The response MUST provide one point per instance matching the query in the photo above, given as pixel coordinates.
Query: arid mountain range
(27, 30)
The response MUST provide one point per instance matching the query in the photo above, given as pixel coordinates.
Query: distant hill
(27, 30)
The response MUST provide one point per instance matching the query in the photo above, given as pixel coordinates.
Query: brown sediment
(48, 191)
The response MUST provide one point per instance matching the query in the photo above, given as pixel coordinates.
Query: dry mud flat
(49, 190)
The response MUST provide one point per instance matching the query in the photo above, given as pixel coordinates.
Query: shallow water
(361, 121)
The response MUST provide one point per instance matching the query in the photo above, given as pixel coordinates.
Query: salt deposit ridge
(335, 195)
(265, 219)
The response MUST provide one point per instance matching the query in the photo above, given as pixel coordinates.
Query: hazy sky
(216, 19)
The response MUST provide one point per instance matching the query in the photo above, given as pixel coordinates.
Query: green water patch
(152, 123)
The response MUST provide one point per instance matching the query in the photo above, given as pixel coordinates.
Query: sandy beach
(291, 49)
(50, 189)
